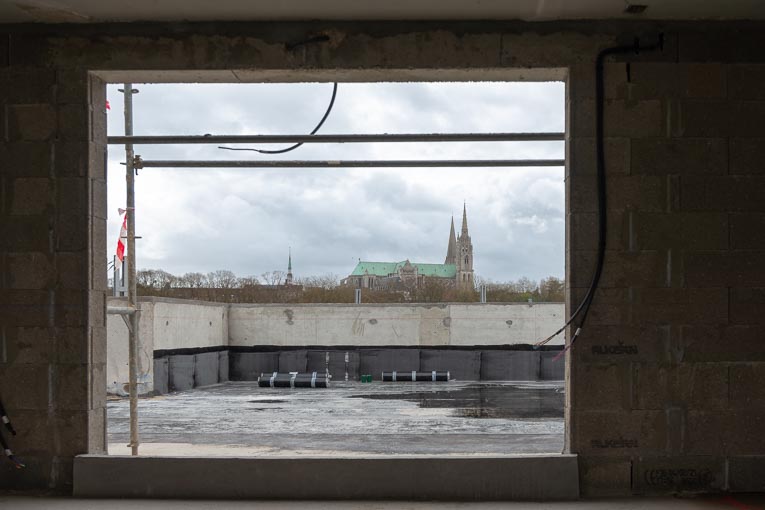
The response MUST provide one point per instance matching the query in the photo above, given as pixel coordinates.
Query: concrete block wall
(52, 232)
(662, 382)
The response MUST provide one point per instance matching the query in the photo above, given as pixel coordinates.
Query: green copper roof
(388, 268)
(442, 270)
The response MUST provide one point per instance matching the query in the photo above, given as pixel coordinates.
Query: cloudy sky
(245, 219)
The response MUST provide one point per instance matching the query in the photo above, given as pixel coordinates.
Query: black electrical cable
(584, 306)
(292, 147)
(8, 453)
(5, 419)
(3, 443)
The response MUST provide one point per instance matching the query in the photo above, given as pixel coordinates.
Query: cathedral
(457, 269)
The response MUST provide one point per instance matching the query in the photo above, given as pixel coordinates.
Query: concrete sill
(452, 478)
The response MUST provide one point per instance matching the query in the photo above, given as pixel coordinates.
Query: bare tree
(325, 281)
(273, 277)
(155, 279)
(222, 279)
(193, 281)
(525, 285)
(248, 281)
(551, 289)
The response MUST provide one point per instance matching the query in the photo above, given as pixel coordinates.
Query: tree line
(269, 287)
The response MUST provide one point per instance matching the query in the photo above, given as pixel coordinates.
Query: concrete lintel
(329, 75)
(528, 477)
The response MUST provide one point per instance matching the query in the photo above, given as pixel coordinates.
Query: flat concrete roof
(348, 419)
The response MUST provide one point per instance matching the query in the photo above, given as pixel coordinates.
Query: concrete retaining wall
(188, 324)
(165, 324)
(179, 372)
(117, 370)
(179, 327)
(394, 325)
(464, 365)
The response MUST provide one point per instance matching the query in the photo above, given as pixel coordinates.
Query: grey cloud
(244, 220)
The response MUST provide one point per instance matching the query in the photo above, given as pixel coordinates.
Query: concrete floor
(459, 418)
(715, 502)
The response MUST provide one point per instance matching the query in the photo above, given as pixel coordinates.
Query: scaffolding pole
(464, 163)
(336, 138)
(133, 337)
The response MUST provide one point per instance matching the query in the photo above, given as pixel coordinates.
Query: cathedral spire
(451, 251)
(288, 279)
(464, 219)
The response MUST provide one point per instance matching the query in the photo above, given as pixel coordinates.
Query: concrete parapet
(187, 327)
(463, 365)
(376, 361)
(223, 366)
(506, 365)
(551, 369)
(333, 478)
(180, 372)
(413, 325)
(161, 375)
(293, 361)
(317, 362)
(206, 369)
(247, 366)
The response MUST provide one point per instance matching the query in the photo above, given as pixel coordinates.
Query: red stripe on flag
(120, 242)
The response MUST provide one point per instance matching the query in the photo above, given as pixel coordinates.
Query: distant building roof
(389, 268)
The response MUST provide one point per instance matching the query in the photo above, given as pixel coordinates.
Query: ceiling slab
(99, 11)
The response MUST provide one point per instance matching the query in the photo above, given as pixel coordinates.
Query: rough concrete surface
(408, 324)
(464, 418)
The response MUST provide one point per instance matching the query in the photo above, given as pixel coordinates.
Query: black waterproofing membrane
(293, 380)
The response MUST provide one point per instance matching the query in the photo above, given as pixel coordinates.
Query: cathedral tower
(451, 251)
(288, 280)
(465, 255)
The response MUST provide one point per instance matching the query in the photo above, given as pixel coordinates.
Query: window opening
(426, 159)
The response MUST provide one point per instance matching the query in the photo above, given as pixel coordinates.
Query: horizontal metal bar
(338, 138)
(350, 164)
(120, 310)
